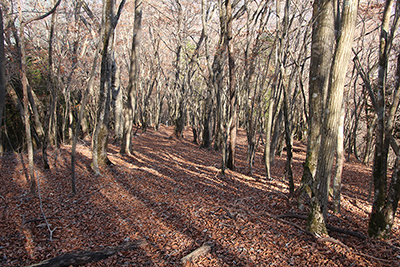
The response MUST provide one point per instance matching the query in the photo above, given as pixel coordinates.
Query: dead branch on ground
(201, 251)
(84, 257)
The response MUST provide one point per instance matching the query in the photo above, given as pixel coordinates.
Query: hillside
(171, 194)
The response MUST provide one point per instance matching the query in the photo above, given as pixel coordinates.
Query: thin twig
(41, 209)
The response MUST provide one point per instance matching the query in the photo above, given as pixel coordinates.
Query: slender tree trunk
(2, 82)
(268, 128)
(275, 90)
(28, 135)
(26, 90)
(52, 90)
(232, 87)
(89, 88)
(337, 179)
(129, 111)
(100, 135)
(118, 102)
(288, 138)
(217, 69)
(385, 202)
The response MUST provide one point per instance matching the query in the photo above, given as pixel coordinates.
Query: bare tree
(100, 135)
(26, 90)
(129, 110)
(385, 199)
(232, 87)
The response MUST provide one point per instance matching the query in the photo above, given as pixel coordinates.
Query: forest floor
(171, 194)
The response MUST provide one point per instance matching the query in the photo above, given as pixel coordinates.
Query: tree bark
(118, 102)
(337, 179)
(2, 82)
(50, 114)
(232, 87)
(100, 135)
(129, 110)
(320, 65)
(331, 120)
(385, 202)
(288, 139)
(89, 87)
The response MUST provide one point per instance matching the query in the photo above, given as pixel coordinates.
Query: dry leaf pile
(171, 194)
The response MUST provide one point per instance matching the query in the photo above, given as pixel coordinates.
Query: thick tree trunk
(331, 120)
(320, 65)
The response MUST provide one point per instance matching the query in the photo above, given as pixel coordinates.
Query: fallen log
(83, 257)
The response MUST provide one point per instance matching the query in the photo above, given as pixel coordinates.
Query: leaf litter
(171, 194)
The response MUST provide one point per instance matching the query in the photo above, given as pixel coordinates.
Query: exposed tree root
(328, 239)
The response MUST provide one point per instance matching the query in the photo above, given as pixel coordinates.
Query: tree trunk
(2, 82)
(331, 120)
(100, 135)
(218, 69)
(28, 135)
(118, 102)
(385, 203)
(26, 90)
(129, 111)
(89, 88)
(52, 91)
(288, 138)
(337, 179)
(320, 65)
(232, 87)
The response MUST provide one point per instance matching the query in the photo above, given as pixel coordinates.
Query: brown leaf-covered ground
(172, 194)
